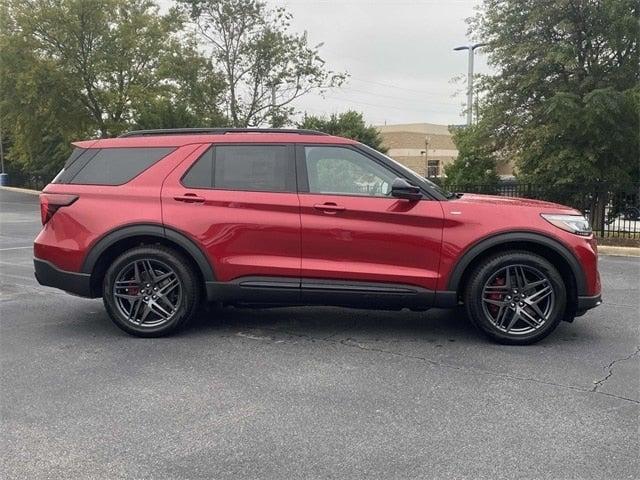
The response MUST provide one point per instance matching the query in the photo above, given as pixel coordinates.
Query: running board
(311, 291)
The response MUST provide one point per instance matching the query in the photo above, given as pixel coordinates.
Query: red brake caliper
(498, 282)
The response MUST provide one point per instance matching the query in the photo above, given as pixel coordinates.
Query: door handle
(329, 207)
(189, 198)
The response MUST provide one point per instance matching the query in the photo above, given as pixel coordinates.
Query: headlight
(571, 223)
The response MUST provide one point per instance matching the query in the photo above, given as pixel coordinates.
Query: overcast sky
(399, 54)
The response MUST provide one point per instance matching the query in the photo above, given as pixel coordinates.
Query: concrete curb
(618, 251)
(21, 190)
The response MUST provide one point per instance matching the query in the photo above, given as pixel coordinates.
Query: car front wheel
(516, 297)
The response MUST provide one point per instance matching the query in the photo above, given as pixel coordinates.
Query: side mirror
(400, 188)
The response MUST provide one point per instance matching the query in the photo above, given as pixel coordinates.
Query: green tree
(585, 139)
(165, 113)
(564, 101)
(39, 110)
(74, 69)
(265, 66)
(476, 163)
(349, 124)
(193, 97)
(109, 51)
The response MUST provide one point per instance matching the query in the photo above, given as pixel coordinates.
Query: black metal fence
(612, 212)
(25, 180)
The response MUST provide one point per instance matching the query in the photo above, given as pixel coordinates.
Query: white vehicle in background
(625, 219)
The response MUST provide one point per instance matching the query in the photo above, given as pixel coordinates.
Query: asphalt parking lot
(309, 392)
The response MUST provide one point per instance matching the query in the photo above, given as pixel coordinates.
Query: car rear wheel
(516, 297)
(150, 291)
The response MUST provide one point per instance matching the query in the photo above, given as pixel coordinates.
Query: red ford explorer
(156, 222)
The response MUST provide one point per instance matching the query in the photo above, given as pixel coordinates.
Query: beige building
(424, 147)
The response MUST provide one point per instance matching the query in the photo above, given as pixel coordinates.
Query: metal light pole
(471, 49)
(4, 178)
(274, 91)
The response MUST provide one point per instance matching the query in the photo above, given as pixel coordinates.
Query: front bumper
(49, 275)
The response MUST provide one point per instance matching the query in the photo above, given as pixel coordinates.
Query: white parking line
(21, 190)
(15, 248)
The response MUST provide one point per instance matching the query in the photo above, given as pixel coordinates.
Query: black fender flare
(151, 230)
(503, 238)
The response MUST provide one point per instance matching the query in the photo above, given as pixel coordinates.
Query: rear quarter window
(109, 166)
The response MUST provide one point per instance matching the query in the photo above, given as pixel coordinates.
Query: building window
(433, 168)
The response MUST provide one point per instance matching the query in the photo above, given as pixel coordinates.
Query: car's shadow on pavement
(330, 322)
(319, 322)
(437, 326)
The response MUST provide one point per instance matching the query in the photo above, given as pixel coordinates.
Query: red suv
(155, 222)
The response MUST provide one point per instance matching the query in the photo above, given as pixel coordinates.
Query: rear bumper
(586, 303)
(49, 275)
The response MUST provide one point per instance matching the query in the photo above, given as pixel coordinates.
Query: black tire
(492, 306)
(175, 283)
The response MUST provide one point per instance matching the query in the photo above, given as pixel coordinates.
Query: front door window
(342, 171)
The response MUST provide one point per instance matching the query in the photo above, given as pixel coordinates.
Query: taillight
(51, 202)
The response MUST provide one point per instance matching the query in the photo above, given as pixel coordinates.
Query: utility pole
(427, 141)
(426, 156)
(273, 105)
(471, 49)
(3, 176)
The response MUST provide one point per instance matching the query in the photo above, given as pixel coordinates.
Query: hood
(515, 202)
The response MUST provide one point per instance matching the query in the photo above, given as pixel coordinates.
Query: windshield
(414, 176)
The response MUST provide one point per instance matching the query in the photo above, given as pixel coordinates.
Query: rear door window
(109, 166)
(257, 168)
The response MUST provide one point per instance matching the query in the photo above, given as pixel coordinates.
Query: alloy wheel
(147, 292)
(518, 299)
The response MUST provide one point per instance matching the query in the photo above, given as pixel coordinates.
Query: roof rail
(216, 131)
